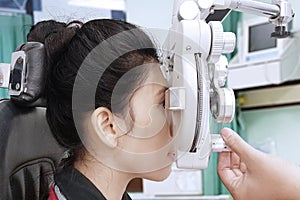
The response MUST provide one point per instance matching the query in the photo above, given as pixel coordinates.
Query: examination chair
(29, 154)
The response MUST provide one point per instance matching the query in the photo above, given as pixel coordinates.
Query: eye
(163, 103)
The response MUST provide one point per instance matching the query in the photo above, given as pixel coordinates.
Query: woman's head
(112, 67)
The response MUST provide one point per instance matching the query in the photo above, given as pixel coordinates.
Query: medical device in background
(197, 71)
(180, 182)
(262, 60)
(257, 43)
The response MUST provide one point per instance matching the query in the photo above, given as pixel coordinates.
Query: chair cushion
(28, 151)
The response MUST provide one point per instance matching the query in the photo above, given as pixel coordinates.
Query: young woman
(105, 103)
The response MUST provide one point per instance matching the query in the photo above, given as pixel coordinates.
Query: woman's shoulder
(70, 184)
(55, 194)
(73, 185)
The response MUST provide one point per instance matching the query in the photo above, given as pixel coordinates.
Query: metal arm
(253, 7)
(279, 12)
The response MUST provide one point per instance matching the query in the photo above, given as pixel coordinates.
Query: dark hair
(66, 49)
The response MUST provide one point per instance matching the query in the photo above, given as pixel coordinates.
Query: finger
(224, 170)
(224, 160)
(237, 144)
(235, 164)
(235, 161)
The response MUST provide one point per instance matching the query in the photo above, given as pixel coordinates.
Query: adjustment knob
(188, 10)
(205, 4)
(229, 42)
(221, 42)
(217, 41)
(221, 72)
(222, 105)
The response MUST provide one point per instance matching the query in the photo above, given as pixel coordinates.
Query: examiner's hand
(250, 174)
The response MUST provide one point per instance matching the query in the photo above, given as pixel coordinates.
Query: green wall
(276, 126)
(14, 28)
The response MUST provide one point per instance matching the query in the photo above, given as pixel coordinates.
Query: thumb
(237, 144)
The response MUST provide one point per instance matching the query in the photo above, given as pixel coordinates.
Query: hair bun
(55, 36)
(40, 31)
(57, 42)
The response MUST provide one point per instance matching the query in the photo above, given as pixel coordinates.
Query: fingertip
(232, 140)
(226, 133)
(237, 144)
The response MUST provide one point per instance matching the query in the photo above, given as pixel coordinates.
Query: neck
(111, 183)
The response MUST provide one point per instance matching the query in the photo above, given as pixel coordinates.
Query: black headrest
(27, 79)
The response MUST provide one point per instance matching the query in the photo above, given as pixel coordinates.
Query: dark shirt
(75, 186)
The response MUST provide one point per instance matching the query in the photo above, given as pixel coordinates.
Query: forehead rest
(28, 75)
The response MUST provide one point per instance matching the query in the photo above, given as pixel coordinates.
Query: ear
(102, 122)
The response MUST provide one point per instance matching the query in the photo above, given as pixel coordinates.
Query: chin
(159, 175)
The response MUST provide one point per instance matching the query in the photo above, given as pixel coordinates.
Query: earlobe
(111, 140)
(101, 120)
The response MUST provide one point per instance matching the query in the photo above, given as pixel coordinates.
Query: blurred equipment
(15, 6)
(180, 182)
(263, 60)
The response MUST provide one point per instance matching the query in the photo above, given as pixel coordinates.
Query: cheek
(142, 154)
(152, 136)
(141, 109)
(154, 123)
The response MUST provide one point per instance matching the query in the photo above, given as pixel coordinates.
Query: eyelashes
(163, 103)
